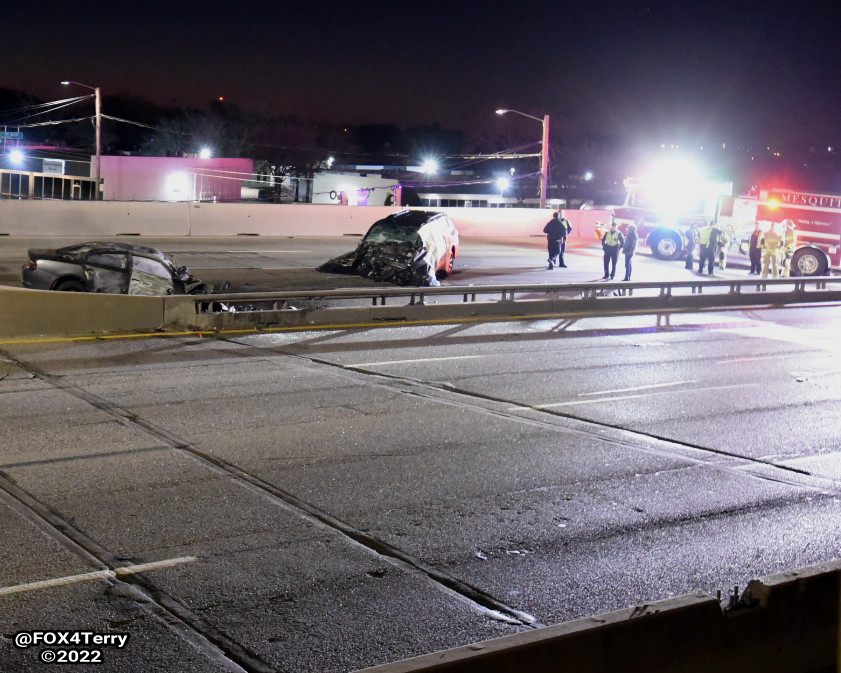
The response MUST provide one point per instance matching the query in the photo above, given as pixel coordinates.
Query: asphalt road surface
(331, 500)
(259, 264)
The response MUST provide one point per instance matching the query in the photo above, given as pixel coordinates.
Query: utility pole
(544, 152)
(544, 162)
(98, 112)
(97, 100)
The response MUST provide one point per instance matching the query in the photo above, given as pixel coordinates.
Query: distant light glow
(350, 194)
(677, 186)
(503, 183)
(773, 203)
(205, 153)
(588, 176)
(178, 187)
(330, 161)
(501, 111)
(429, 166)
(16, 157)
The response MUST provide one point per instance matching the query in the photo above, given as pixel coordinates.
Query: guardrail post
(663, 320)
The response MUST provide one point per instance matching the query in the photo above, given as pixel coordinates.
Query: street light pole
(97, 97)
(544, 152)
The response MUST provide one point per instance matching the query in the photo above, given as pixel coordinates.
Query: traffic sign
(12, 135)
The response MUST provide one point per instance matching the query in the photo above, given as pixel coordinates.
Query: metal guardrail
(489, 302)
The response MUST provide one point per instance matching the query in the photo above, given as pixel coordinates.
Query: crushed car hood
(401, 262)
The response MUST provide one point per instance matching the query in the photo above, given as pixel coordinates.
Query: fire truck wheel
(809, 262)
(665, 245)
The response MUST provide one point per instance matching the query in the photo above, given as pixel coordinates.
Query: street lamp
(544, 151)
(98, 117)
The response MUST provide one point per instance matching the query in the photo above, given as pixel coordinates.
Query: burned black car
(110, 268)
(412, 247)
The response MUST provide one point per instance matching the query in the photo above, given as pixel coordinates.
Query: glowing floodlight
(16, 157)
(429, 166)
(205, 153)
(178, 187)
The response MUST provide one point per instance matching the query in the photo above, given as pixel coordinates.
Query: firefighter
(770, 245)
(789, 243)
(723, 247)
(612, 241)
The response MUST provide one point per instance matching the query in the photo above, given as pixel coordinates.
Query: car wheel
(448, 265)
(70, 286)
(809, 262)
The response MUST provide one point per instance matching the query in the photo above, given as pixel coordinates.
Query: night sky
(682, 72)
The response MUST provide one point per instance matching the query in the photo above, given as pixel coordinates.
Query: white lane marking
(630, 390)
(94, 575)
(154, 565)
(404, 362)
(631, 397)
(813, 375)
(753, 359)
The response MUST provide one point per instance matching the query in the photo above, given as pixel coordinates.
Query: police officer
(568, 227)
(628, 249)
(755, 251)
(691, 240)
(708, 239)
(612, 241)
(556, 234)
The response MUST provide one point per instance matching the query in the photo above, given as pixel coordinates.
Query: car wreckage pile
(411, 247)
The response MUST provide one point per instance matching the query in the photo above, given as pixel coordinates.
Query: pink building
(173, 178)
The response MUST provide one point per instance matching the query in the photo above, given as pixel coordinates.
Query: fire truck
(817, 218)
(663, 211)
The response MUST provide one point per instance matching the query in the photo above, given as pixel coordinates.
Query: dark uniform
(691, 238)
(628, 249)
(755, 252)
(556, 236)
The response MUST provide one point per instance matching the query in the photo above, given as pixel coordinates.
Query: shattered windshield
(387, 231)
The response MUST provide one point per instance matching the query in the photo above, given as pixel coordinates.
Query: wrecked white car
(411, 247)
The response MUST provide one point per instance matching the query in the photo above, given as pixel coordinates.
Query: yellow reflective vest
(790, 241)
(612, 239)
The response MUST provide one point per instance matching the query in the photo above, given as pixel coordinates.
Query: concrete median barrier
(785, 623)
(106, 219)
(29, 314)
